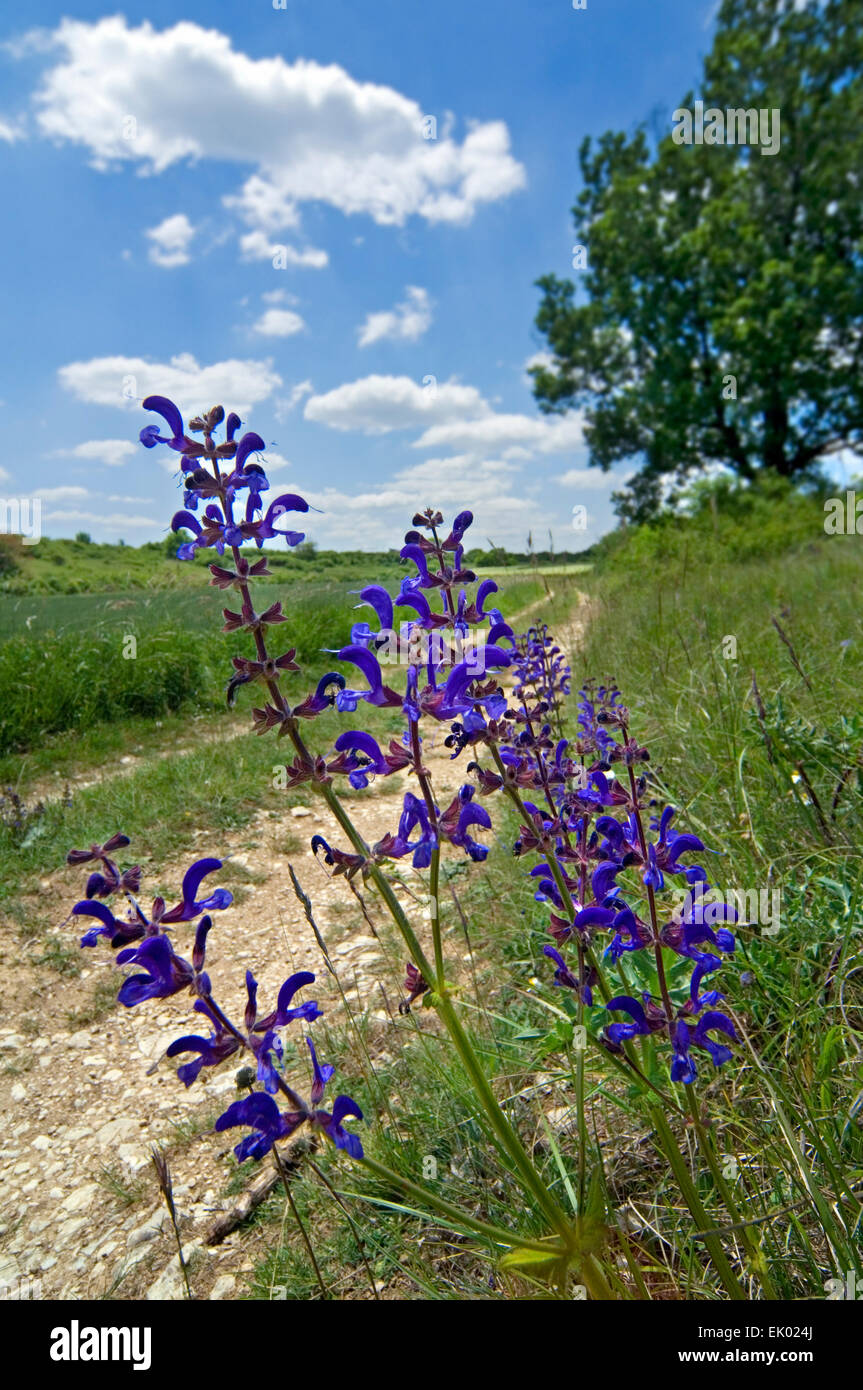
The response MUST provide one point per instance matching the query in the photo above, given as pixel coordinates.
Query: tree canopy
(721, 319)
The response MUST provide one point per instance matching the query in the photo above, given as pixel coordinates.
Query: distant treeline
(84, 566)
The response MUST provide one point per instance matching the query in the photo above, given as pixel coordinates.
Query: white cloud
(515, 436)
(237, 384)
(282, 408)
(110, 452)
(275, 462)
(262, 206)
(377, 516)
(10, 131)
(278, 297)
(312, 133)
(406, 322)
(539, 359)
(60, 494)
(170, 241)
(5, 475)
(378, 404)
(257, 246)
(588, 479)
(112, 519)
(279, 323)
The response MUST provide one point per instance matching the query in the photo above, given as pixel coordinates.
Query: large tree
(720, 318)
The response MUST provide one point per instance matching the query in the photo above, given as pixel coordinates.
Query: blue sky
(156, 159)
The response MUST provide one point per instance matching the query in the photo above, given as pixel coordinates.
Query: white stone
(170, 1284)
(132, 1156)
(68, 1230)
(222, 1085)
(80, 1199)
(150, 1229)
(114, 1130)
(224, 1286)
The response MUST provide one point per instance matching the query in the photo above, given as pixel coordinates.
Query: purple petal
(169, 413)
(250, 443)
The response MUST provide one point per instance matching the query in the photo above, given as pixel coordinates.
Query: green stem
(507, 1136)
(361, 1245)
(757, 1261)
(693, 1201)
(511, 1239)
(510, 1141)
(590, 1271)
(434, 880)
(303, 1232)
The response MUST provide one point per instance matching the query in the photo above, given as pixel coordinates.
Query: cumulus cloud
(10, 131)
(310, 132)
(275, 463)
(378, 404)
(405, 323)
(375, 515)
(279, 323)
(238, 384)
(110, 452)
(170, 241)
(60, 494)
(116, 520)
(279, 297)
(515, 436)
(261, 206)
(257, 246)
(588, 479)
(539, 359)
(283, 407)
(481, 464)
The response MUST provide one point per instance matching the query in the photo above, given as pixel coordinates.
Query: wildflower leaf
(533, 1262)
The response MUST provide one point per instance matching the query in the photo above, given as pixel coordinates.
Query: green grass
(42, 575)
(72, 662)
(666, 642)
(64, 567)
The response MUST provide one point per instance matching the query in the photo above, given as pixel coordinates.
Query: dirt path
(79, 1216)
